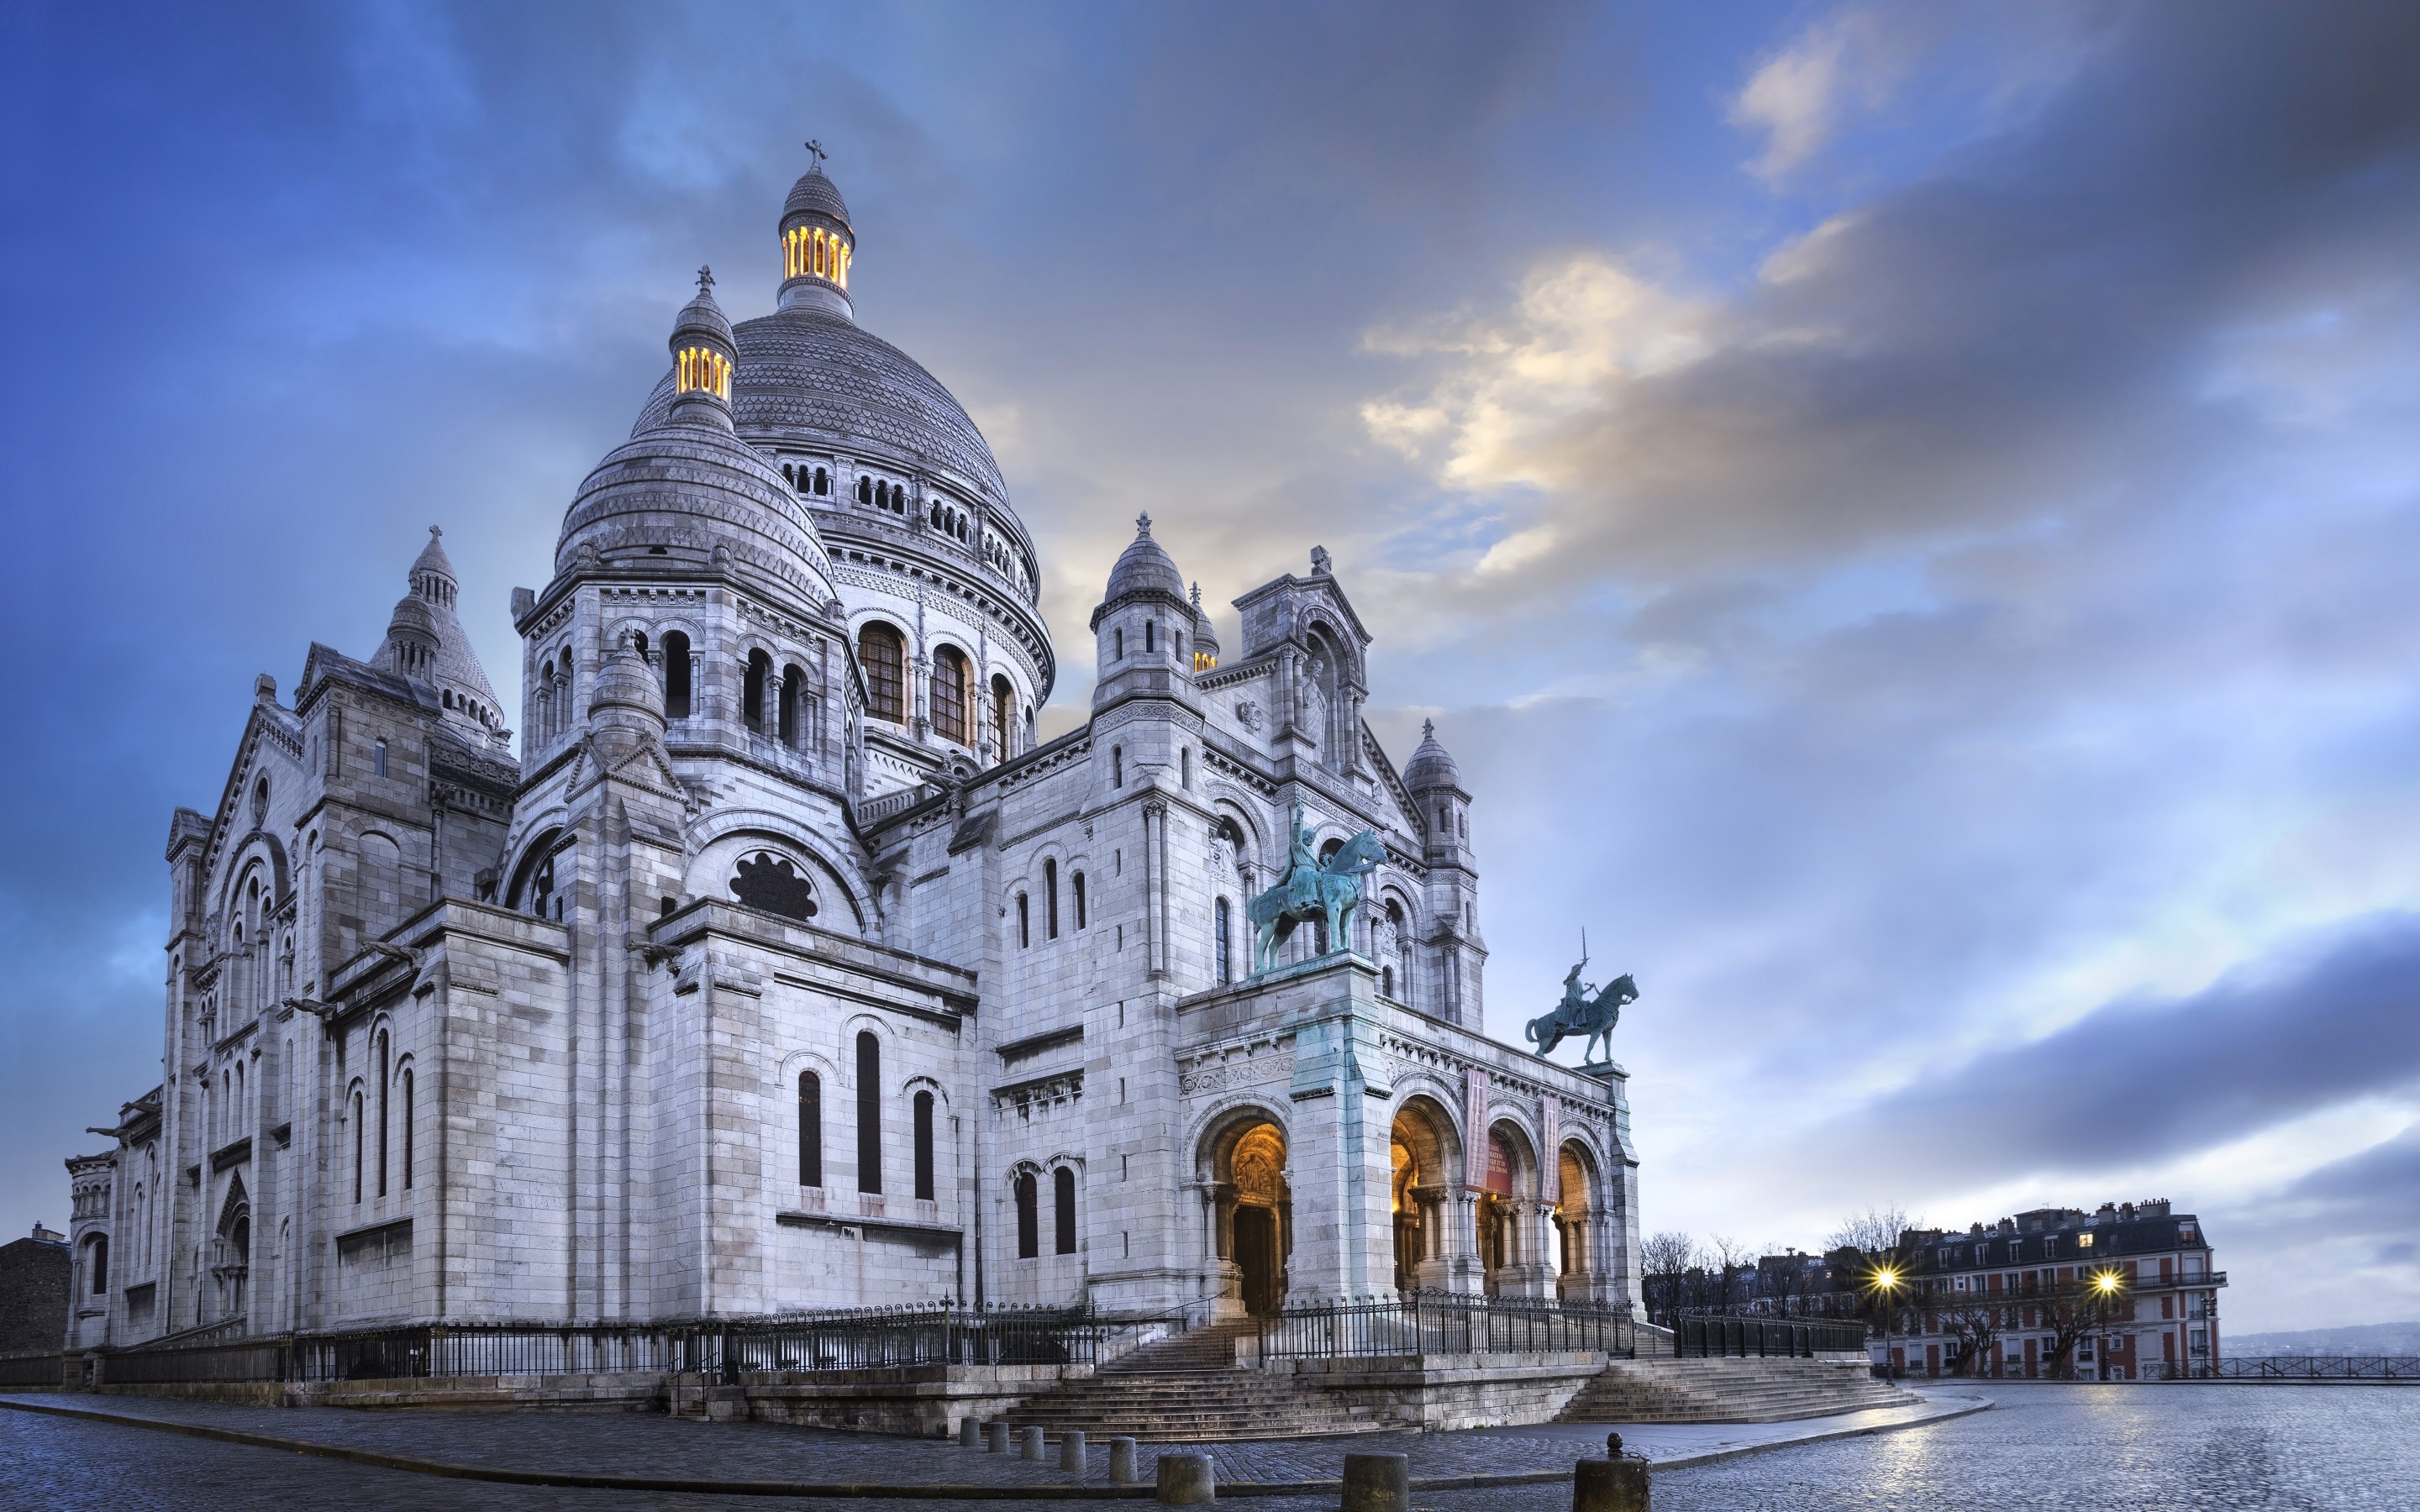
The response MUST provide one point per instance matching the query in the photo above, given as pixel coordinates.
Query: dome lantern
(703, 354)
(817, 242)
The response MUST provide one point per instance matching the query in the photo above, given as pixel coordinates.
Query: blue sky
(1906, 512)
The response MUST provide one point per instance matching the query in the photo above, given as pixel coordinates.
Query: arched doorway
(1254, 1212)
(1506, 1194)
(1425, 1160)
(1575, 1225)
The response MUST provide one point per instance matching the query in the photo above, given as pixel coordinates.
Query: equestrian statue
(1314, 891)
(1580, 1013)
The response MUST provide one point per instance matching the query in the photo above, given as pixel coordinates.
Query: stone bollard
(1609, 1486)
(1030, 1445)
(1377, 1483)
(969, 1432)
(1187, 1480)
(1121, 1462)
(995, 1438)
(1071, 1451)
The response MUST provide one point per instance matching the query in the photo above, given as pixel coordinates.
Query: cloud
(1799, 94)
(2140, 1080)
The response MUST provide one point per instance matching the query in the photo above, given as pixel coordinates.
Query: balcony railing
(1443, 1323)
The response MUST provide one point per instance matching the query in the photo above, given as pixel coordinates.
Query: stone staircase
(1730, 1391)
(1187, 1389)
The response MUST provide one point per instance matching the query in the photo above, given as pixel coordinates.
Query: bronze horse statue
(1327, 891)
(1579, 1013)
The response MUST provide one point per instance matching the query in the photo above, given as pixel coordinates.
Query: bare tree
(1729, 1260)
(1664, 1261)
(1973, 1320)
(2073, 1311)
(1873, 1232)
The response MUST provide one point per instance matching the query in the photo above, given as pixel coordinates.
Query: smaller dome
(413, 619)
(1145, 568)
(1205, 634)
(1432, 766)
(815, 194)
(626, 681)
(702, 320)
(432, 558)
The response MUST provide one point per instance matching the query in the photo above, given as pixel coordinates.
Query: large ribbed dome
(813, 377)
(678, 493)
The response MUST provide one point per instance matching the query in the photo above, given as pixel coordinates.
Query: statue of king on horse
(1312, 889)
(1580, 1013)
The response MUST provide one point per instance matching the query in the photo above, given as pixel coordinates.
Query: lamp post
(1886, 1282)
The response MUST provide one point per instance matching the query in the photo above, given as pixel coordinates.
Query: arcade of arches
(1500, 1234)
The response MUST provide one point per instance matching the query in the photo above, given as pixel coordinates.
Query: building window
(1050, 898)
(953, 695)
(676, 655)
(752, 697)
(1062, 1205)
(1184, 766)
(406, 1128)
(1003, 715)
(357, 1146)
(924, 1147)
(378, 759)
(99, 1252)
(1024, 922)
(865, 491)
(1226, 942)
(823, 482)
(1117, 766)
(383, 1054)
(1151, 635)
(1118, 643)
(769, 882)
(1076, 884)
(869, 1112)
(793, 689)
(1029, 1221)
(811, 1129)
(1387, 982)
(884, 658)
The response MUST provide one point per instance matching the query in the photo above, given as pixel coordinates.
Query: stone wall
(34, 1279)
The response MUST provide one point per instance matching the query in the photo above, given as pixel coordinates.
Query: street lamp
(1885, 1280)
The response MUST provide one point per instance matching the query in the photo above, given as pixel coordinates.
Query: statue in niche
(769, 882)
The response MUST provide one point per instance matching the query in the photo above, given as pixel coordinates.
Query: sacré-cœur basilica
(781, 969)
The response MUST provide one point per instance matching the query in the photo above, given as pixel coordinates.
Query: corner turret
(426, 644)
(1142, 628)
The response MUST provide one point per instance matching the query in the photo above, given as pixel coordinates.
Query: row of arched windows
(383, 1106)
(703, 370)
(883, 655)
(1062, 1214)
(890, 496)
(779, 708)
(869, 1126)
(1050, 906)
(806, 479)
(810, 252)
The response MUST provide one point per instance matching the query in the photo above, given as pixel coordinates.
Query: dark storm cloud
(2138, 1080)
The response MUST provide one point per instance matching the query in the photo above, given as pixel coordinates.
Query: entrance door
(1256, 1256)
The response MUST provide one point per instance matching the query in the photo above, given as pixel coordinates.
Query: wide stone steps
(1187, 1389)
(1729, 1391)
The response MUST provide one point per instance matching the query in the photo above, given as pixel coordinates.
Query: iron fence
(1443, 1323)
(1710, 1334)
(43, 1371)
(857, 1340)
(2303, 1367)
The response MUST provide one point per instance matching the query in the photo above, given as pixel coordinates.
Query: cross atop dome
(817, 241)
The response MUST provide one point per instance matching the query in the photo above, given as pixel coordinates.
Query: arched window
(357, 1146)
(1076, 884)
(823, 482)
(1029, 1221)
(811, 1129)
(953, 695)
(1184, 766)
(1003, 713)
(383, 1055)
(98, 1252)
(406, 1128)
(751, 697)
(789, 473)
(869, 1112)
(675, 675)
(924, 1147)
(1386, 982)
(1226, 944)
(1062, 1206)
(1024, 922)
(865, 491)
(794, 687)
(883, 657)
(1151, 635)
(1051, 899)
(378, 759)
(1117, 766)
(1118, 643)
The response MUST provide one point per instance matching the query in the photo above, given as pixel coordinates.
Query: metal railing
(1443, 1323)
(45, 1370)
(858, 1340)
(2301, 1368)
(1713, 1334)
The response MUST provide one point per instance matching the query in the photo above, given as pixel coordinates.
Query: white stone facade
(783, 970)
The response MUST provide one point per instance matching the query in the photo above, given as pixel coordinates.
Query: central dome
(813, 377)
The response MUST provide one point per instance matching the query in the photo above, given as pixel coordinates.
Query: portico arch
(1427, 1158)
(1249, 1206)
(1508, 1218)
